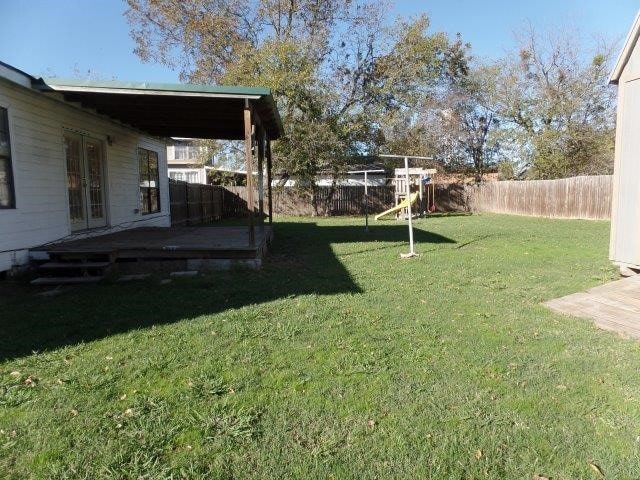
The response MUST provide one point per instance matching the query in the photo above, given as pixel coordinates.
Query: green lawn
(337, 360)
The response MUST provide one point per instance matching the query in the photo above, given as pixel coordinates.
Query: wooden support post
(186, 197)
(202, 217)
(248, 157)
(269, 180)
(261, 137)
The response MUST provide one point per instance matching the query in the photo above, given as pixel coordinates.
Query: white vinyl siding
(37, 124)
(625, 212)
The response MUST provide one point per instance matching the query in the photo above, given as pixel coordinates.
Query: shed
(624, 247)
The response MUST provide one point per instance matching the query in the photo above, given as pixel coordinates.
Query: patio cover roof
(172, 110)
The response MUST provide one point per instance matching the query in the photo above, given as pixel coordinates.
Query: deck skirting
(141, 250)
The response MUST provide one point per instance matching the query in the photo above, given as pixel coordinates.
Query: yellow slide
(403, 204)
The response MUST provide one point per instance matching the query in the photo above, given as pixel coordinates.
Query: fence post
(201, 205)
(186, 196)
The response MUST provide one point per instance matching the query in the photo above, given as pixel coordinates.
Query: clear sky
(71, 37)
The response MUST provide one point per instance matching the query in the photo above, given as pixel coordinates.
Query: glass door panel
(95, 183)
(85, 182)
(75, 180)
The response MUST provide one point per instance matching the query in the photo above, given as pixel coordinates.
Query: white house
(624, 248)
(66, 170)
(84, 158)
(185, 162)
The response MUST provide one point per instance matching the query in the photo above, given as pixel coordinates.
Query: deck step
(82, 256)
(66, 280)
(67, 265)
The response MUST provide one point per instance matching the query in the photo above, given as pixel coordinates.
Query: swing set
(406, 179)
(422, 192)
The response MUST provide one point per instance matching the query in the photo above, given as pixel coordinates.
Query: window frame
(146, 200)
(10, 176)
(192, 177)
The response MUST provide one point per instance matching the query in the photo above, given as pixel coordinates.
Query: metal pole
(408, 197)
(366, 204)
(411, 253)
(366, 192)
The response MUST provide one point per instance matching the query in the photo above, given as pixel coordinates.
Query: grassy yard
(337, 360)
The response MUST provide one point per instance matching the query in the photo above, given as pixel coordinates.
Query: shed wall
(37, 123)
(625, 216)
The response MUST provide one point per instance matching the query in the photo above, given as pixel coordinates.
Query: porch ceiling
(173, 110)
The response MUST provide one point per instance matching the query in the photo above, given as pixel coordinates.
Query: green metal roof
(172, 110)
(151, 86)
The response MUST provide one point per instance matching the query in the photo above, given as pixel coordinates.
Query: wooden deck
(168, 243)
(614, 306)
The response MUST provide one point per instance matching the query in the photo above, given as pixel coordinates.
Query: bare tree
(555, 95)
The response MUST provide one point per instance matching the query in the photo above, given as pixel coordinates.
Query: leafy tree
(556, 104)
(470, 115)
(338, 71)
(457, 125)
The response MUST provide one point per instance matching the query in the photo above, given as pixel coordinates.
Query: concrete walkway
(614, 306)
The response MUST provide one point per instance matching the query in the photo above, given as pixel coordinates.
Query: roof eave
(166, 90)
(278, 119)
(43, 85)
(629, 44)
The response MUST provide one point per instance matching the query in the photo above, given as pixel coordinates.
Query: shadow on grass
(449, 214)
(475, 240)
(301, 263)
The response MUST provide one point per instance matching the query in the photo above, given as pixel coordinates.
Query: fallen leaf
(74, 412)
(596, 468)
(479, 454)
(540, 477)
(123, 396)
(15, 373)
(30, 381)
(371, 423)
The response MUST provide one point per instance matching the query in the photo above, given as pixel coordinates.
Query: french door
(85, 181)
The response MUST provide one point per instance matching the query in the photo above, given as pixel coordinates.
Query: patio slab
(614, 306)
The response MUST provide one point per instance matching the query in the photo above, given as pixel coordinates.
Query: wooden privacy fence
(235, 200)
(349, 200)
(575, 197)
(341, 200)
(193, 203)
